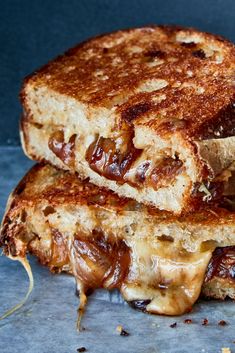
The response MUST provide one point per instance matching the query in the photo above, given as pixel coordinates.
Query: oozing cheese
(163, 275)
(169, 277)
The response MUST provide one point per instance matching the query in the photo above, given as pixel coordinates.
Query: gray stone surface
(46, 323)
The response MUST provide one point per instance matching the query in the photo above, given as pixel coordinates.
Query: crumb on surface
(222, 323)
(205, 322)
(121, 331)
(173, 325)
(226, 350)
(188, 321)
(119, 328)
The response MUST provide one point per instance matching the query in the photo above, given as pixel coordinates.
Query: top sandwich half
(146, 112)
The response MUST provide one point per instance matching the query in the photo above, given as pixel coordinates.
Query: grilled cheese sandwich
(147, 112)
(159, 262)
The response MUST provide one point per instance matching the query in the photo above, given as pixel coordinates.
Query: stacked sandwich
(134, 133)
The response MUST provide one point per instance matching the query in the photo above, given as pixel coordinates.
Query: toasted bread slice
(147, 112)
(159, 262)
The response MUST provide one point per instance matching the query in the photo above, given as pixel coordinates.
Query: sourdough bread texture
(146, 112)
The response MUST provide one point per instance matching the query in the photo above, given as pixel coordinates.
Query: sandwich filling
(160, 263)
(120, 161)
(154, 276)
(115, 160)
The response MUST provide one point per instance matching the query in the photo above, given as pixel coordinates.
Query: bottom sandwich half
(159, 262)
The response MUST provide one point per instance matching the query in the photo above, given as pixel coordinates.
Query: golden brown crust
(167, 87)
(40, 220)
(44, 182)
(199, 76)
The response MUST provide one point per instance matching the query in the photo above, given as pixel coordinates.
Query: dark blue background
(32, 32)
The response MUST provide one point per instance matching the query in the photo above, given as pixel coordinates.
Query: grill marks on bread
(129, 114)
(164, 86)
(114, 67)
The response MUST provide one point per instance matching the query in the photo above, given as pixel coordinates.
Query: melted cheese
(168, 276)
(158, 272)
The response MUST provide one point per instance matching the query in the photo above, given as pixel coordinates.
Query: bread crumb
(205, 322)
(121, 331)
(188, 321)
(119, 328)
(226, 350)
(173, 325)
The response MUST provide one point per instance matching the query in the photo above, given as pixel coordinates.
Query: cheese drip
(165, 277)
(27, 267)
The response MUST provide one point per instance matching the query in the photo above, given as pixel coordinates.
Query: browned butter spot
(155, 54)
(189, 45)
(199, 54)
(188, 321)
(205, 322)
(135, 111)
(48, 210)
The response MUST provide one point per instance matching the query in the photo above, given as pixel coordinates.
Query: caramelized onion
(59, 250)
(222, 264)
(100, 262)
(105, 159)
(63, 150)
(164, 172)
